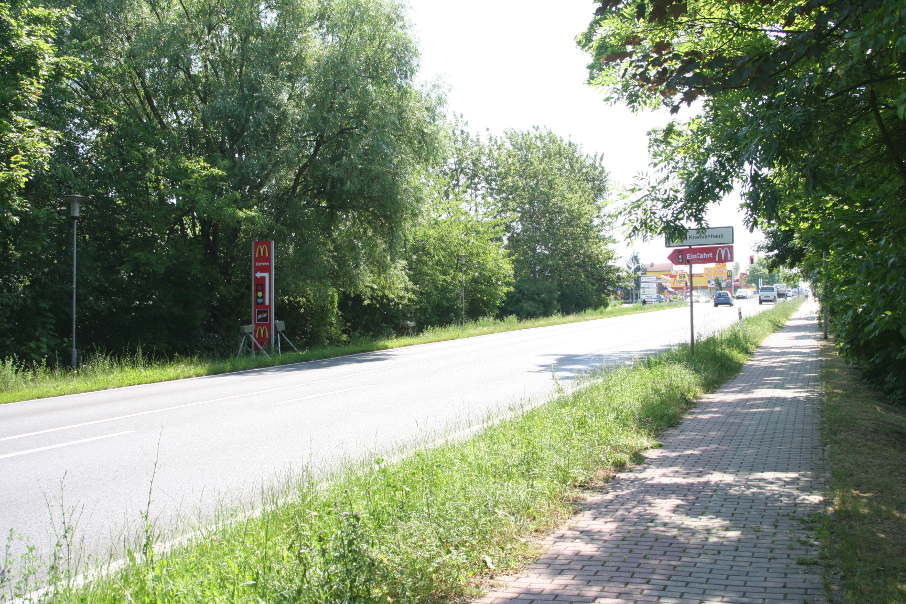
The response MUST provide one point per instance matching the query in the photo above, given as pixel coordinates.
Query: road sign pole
(691, 315)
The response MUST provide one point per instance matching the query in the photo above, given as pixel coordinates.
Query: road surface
(204, 443)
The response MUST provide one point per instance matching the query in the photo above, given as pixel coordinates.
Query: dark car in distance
(723, 298)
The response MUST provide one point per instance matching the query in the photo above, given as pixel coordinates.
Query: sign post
(262, 295)
(648, 288)
(720, 250)
(691, 316)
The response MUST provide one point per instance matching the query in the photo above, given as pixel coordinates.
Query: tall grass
(429, 527)
(20, 381)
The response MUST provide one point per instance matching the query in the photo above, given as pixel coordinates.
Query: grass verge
(864, 538)
(101, 371)
(428, 528)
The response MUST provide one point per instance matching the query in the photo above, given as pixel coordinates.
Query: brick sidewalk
(716, 514)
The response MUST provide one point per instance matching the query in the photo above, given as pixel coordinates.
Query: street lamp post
(462, 288)
(75, 202)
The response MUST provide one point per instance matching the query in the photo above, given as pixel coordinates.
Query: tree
(203, 125)
(457, 258)
(635, 269)
(802, 104)
(30, 62)
(550, 196)
(762, 270)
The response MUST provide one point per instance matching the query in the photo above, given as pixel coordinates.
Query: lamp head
(75, 202)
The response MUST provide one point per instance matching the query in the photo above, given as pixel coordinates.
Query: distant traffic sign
(702, 255)
(709, 236)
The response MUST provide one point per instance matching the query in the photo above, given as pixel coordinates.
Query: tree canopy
(551, 197)
(203, 125)
(198, 126)
(801, 103)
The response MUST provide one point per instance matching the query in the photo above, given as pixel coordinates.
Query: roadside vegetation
(864, 536)
(19, 381)
(801, 106)
(433, 525)
(195, 127)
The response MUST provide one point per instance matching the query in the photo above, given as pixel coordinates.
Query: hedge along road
(204, 443)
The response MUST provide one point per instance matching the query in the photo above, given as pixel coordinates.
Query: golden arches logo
(262, 250)
(724, 254)
(261, 332)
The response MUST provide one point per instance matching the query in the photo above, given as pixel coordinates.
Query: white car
(767, 293)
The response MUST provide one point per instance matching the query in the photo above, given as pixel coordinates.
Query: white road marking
(66, 444)
(171, 408)
(310, 396)
(140, 413)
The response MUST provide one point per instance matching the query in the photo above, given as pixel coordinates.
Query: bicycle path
(719, 513)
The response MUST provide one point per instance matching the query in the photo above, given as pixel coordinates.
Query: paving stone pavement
(718, 513)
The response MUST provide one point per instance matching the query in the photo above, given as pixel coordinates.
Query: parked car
(767, 293)
(723, 298)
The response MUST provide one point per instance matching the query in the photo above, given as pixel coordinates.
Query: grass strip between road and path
(864, 535)
(434, 524)
(103, 371)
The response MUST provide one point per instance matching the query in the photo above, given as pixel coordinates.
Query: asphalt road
(217, 441)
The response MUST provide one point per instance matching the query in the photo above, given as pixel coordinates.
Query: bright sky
(514, 64)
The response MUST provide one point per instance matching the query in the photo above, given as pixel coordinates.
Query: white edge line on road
(136, 414)
(171, 408)
(311, 396)
(66, 444)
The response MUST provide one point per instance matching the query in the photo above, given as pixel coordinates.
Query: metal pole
(462, 300)
(75, 357)
(691, 315)
(824, 297)
(462, 288)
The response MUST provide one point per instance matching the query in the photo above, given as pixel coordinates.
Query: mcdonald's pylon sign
(263, 293)
(702, 255)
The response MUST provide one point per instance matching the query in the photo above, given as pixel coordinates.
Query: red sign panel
(263, 293)
(702, 255)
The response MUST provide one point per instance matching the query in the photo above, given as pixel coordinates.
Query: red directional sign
(702, 255)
